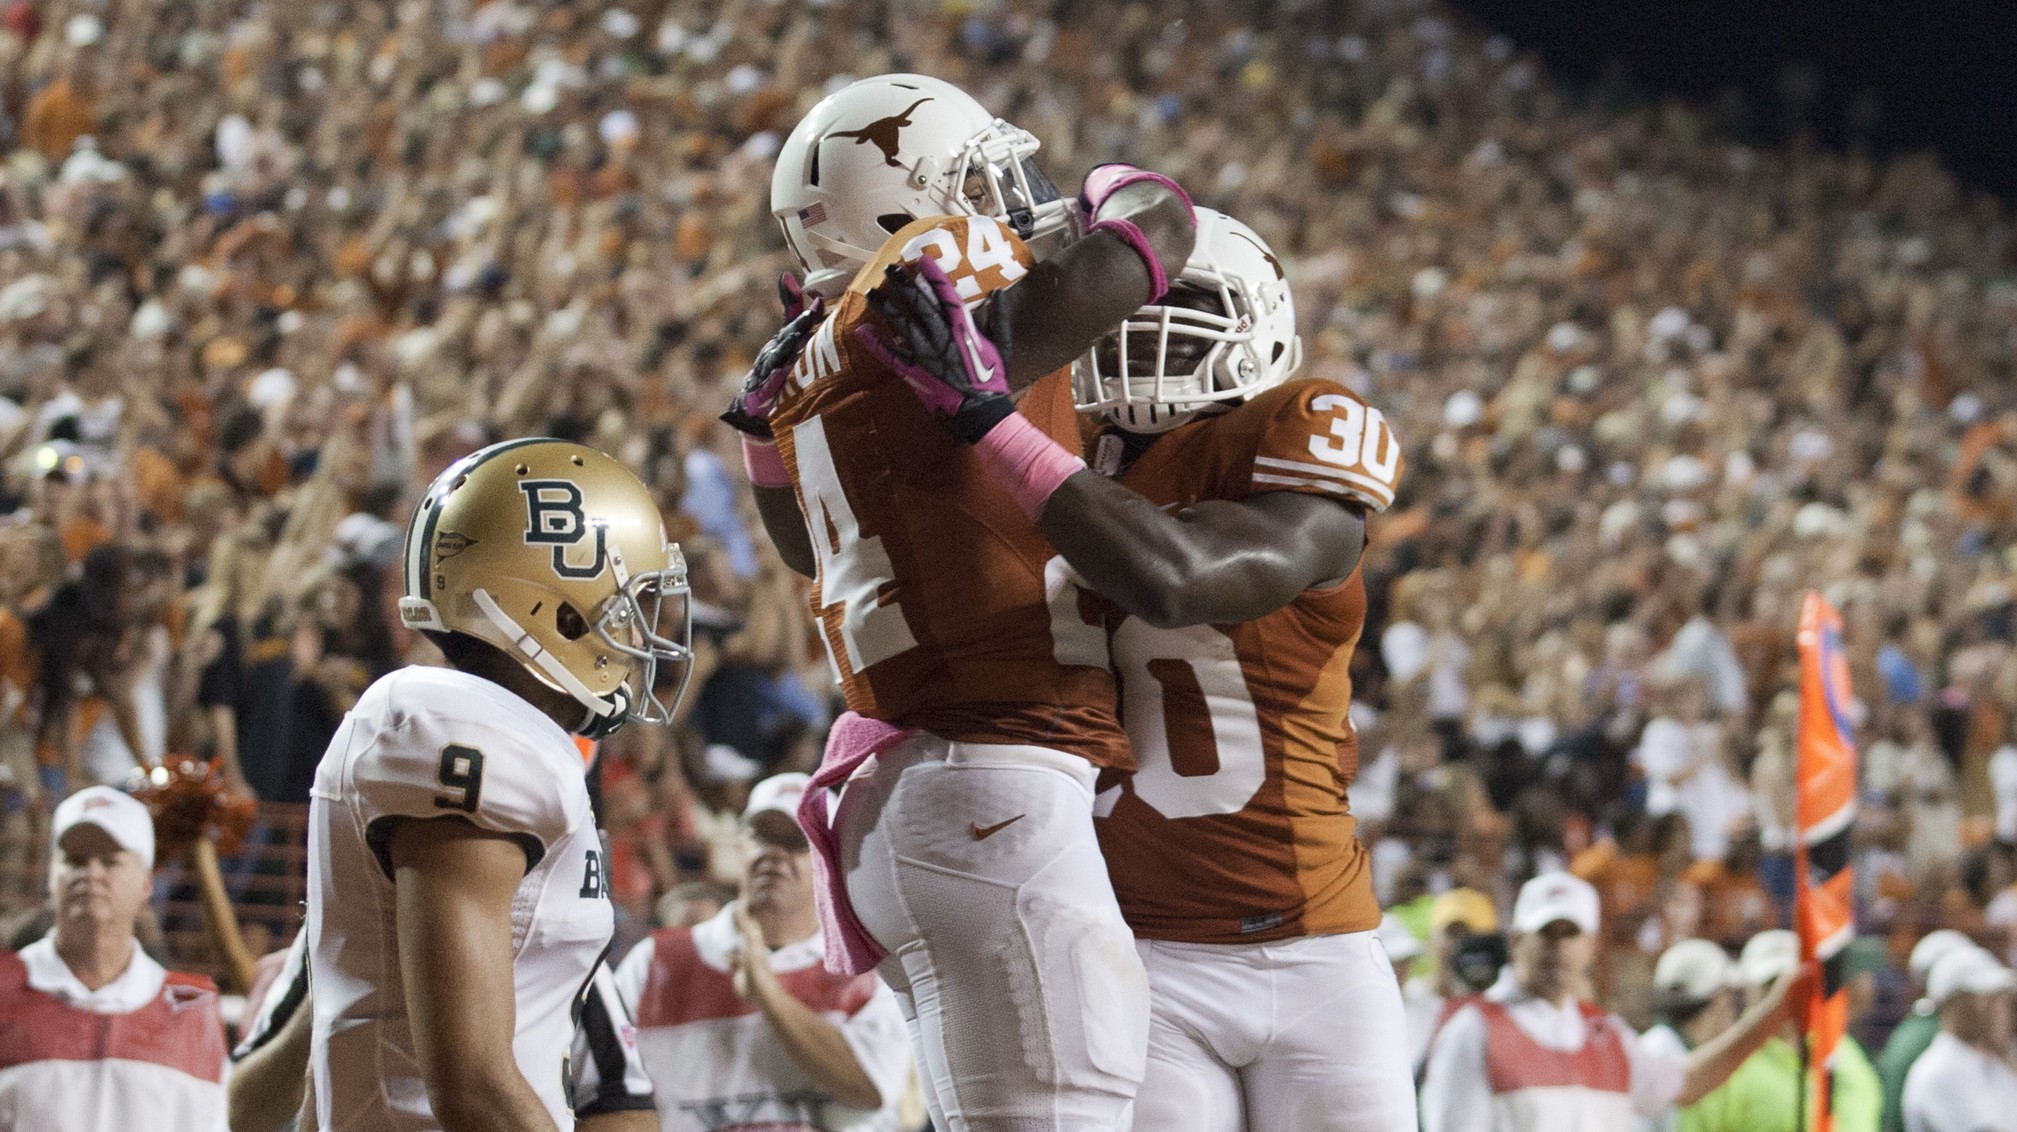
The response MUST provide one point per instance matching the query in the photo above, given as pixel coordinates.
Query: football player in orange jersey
(961, 861)
(1222, 530)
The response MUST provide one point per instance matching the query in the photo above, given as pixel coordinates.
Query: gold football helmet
(556, 554)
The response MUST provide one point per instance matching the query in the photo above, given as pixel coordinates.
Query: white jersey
(426, 743)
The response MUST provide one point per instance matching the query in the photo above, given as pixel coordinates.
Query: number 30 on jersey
(1190, 718)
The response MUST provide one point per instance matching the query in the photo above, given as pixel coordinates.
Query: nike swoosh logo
(974, 359)
(982, 833)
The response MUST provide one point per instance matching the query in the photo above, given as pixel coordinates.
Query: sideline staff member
(1528, 1055)
(94, 1035)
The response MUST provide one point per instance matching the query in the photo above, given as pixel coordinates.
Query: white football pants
(977, 867)
(1304, 1035)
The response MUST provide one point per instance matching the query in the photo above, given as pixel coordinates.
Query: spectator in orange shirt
(1735, 905)
(63, 111)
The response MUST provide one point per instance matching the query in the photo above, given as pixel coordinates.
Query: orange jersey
(933, 587)
(1234, 827)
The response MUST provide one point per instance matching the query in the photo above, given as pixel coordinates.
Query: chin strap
(602, 711)
(599, 727)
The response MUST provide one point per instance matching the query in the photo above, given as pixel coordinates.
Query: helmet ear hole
(893, 222)
(569, 621)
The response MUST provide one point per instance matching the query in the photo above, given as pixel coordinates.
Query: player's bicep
(1067, 304)
(454, 885)
(1265, 549)
(1314, 541)
(785, 523)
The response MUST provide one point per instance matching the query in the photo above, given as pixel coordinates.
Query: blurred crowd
(265, 268)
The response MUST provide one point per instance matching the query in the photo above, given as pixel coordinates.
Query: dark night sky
(1920, 74)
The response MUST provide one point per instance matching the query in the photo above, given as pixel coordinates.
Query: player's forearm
(785, 524)
(488, 1102)
(1214, 564)
(1071, 300)
(267, 1086)
(308, 1119)
(633, 1120)
(818, 1047)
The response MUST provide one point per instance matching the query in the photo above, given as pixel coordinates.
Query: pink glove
(958, 375)
(933, 344)
(750, 412)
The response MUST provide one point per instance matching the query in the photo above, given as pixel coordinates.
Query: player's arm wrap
(1100, 187)
(1159, 280)
(1026, 462)
(764, 463)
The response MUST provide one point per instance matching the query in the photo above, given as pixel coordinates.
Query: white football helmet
(882, 152)
(1225, 331)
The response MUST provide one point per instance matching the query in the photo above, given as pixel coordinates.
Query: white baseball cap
(1692, 970)
(777, 794)
(1968, 970)
(1768, 956)
(1400, 943)
(1929, 951)
(120, 815)
(1555, 896)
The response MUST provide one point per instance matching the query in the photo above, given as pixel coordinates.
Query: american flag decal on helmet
(813, 214)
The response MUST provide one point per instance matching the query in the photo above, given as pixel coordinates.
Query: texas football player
(1221, 527)
(456, 900)
(963, 861)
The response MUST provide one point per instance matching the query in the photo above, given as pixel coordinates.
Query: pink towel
(850, 950)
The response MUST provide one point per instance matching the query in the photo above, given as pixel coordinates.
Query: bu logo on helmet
(553, 517)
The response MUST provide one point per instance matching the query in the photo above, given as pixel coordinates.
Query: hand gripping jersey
(932, 586)
(427, 743)
(1234, 827)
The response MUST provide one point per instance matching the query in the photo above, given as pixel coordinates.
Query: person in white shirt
(607, 1088)
(1528, 1055)
(2003, 787)
(1434, 651)
(740, 1025)
(1964, 1081)
(1695, 996)
(94, 1035)
(1682, 753)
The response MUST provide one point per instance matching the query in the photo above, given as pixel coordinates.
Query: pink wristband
(1159, 281)
(1029, 464)
(760, 458)
(1101, 184)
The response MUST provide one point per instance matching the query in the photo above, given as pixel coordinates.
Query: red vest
(179, 1029)
(1515, 1061)
(682, 989)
